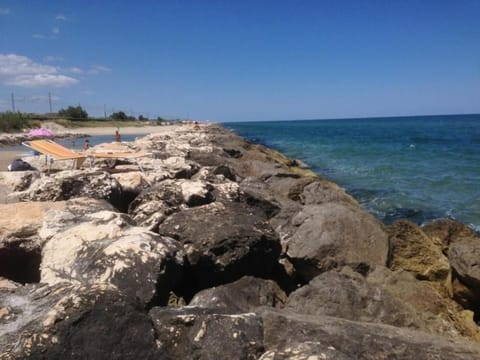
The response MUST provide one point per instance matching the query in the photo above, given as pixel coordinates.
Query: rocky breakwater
(216, 248)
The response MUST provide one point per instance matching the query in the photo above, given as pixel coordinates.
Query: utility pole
(50, 101)
(13, 102)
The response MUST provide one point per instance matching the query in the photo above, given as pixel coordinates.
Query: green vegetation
(121, 116)
(103, 123)
(71, 117)
(73, 113)
(13, 122)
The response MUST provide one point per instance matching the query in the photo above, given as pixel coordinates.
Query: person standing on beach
(118, 138)
(86, 144)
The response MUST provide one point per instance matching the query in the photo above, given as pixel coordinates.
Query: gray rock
(293, 336)
(103, 248)
(18, 180)
(259, 194)
(463, 257)
(153, 205)
(243, 295)
(224, 241)
(333, 235)
(66, 185)
(194, 333)
(352, 297)
(323, 191)
(73, 322)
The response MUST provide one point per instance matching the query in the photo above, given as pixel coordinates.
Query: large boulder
(326, 236)
(243, 295)
(18, 180)
(195, 333)
(66, 185)
(176, 167)
(223, 242)
(73, 322)
(431, 299)
(154, 204)
(322, 191)
(293, 336)
(20, 245)
(21, 221)
(463, 258)
(132, 182)
(104, 248)
(412, 250)
(350, 296)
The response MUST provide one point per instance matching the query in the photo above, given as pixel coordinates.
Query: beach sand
(6, 158)
(142, 130)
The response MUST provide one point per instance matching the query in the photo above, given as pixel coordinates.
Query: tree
(74, 113)
(119, 115)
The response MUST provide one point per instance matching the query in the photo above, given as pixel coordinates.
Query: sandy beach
(7, 156)
(145, 130)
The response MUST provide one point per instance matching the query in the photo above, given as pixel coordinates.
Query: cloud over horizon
(18, 70)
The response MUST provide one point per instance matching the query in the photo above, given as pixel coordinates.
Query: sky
(241, 60)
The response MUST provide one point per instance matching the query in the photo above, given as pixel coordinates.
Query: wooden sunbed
(59, 152)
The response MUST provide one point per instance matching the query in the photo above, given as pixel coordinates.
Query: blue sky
(242, 60)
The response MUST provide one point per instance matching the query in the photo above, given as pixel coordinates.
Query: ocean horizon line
(355, 118)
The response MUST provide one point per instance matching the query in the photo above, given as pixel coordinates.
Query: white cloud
(39, 36)
(97, 69)
(4, 11)
(21, 71)
(42, 80)
(61, 17)
(56, 30)
(74, 70)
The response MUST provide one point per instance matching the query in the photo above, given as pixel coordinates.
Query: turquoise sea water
(419, 167)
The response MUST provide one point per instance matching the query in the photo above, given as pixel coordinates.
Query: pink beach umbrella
(40, 132)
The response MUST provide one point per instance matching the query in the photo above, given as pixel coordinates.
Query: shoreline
(129, 130)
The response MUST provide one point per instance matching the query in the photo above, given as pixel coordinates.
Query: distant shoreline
(129, 130)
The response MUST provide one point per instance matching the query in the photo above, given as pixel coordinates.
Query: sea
(418, 168)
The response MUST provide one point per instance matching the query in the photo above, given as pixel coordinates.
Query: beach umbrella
(40, 132)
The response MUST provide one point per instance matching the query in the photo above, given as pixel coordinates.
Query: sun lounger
(114, 155)
(55, 151)
(59, 152)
